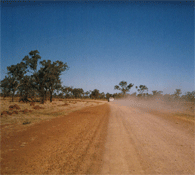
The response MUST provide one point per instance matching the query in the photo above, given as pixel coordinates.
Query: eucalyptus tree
(77, 92)
(190, 96)
(32, 61)
(123, 87)
(9, 86)
(94, 94)
(102, 95)
(49, 77)
(25, 78)
(15, 75)
(4, 85)
(67, 91)
(177, 93)
(157, 93)
(108, 95)
(87, 94)
(141, 89)
(27, 83)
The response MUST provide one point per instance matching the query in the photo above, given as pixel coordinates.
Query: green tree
(155, 92)
(123, 87)
(17, 77)
(8, 86)
(141, 89)
(4, 85)
(67, 91)
(78, 92)
(15, 74)
(28, 83)
(48, 77)
(26, 79)
(87, 94)
(32, 61)
(51, 73)
(190, 96)
(177, 93)
(95, 94)
(102, 95)
(26, 88)
(108, 95)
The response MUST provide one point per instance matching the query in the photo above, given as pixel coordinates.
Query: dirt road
(105, 139)
(71, 144)
(141, 143)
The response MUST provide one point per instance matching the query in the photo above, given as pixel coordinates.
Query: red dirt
(14, 107)
(9, 113)
(25, 111)
(134, 141)
(38, 107)
(11, 106)
(4, 113)
(15, 112)
(17, 107)
(68, 144)
(32, 104)
(64, 104)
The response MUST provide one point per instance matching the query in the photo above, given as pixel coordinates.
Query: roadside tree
(51, 75)
(77, 92)
(87, 94)
(102, 95)
(177, 93)
(95, 94)
(108, 95)
(190, 96)
(141, 89)
(123, 87)
(27, 80)
(67, 91)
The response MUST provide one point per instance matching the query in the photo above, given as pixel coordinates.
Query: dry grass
(27, 115)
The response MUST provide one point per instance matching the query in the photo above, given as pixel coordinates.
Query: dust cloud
(153, 103)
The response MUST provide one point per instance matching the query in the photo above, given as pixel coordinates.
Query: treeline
(142, 92)
(26, 81)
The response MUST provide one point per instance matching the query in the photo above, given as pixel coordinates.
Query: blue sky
(103, 43)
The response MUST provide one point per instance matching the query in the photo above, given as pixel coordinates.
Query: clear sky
(103, 43)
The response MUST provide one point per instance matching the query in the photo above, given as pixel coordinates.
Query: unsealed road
(142, 143)
(106, 139)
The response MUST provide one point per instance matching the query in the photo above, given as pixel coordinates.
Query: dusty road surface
(139, 142)
(105, 139)
(71, 144)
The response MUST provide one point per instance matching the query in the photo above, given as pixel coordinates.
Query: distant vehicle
(110, 99)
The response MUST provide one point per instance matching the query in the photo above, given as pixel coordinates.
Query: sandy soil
(104, 139)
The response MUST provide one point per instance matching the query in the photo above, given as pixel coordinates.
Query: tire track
(141, 143)
(65, 145)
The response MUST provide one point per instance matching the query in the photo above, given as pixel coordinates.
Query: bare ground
(69, 144)
(142, 142)
(104, 139)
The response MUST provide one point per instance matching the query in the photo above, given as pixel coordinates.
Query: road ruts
(72, 144)
(142, 143)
